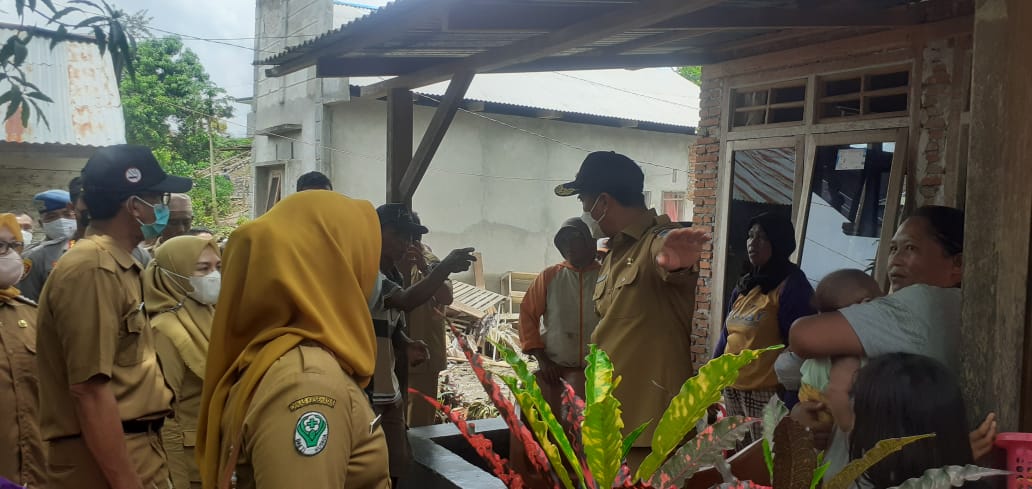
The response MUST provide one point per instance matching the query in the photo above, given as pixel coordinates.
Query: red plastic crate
(1019, 458)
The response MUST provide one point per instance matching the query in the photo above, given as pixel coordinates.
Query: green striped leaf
(535, 402)
(691, 403)
(541, 433)
(856, 468)
(603, 425)
(701, 452)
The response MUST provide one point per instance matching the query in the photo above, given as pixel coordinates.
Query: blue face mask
(154, 229)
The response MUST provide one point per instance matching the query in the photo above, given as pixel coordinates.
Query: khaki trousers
(70, 465)
(420, 412)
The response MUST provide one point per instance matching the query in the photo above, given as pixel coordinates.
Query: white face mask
(26, 237)
(593, 225)
(206, 289)
(60, 228)
(11, 269)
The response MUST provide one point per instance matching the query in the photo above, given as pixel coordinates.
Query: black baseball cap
(127, 169)
(605, 172)
(401, 218)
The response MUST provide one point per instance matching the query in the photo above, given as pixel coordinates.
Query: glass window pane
(847, 203)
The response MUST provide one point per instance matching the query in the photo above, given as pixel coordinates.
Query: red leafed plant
(481, 444)
(539, 461)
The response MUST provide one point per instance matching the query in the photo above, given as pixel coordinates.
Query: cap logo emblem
(133, 175)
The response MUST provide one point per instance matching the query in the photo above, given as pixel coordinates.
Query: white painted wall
(511, 221)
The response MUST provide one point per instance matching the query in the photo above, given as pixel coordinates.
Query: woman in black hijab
(771, 294)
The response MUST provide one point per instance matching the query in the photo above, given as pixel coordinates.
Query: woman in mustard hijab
(292, 347)
(21, 447)
(180, 288)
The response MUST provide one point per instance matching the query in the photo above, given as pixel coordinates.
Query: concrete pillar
(997, 343)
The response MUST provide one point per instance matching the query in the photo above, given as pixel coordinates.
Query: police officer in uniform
(57, 216)
(645, 294)
(21, 449)
(103, 399)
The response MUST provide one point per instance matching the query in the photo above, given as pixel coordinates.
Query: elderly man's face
(179, 222)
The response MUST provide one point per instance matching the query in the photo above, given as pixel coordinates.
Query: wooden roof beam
(442, 119)
(646, 13)
(394, 66)
(741, 18)
(546, 18)
(649, 42)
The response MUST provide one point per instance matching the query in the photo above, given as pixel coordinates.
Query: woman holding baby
(771, 294)
(921, 316)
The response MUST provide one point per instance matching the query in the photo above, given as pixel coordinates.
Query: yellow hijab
(309, 263)
(9, 222)
(177, 316)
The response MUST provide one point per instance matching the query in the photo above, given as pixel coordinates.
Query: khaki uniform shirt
(309, 424)
(21, 448)
(40, 262)
(179, 433)
(646, 322)
(92, 322)
(427, 323)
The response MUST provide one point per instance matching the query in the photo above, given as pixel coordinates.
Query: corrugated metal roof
(87, 108)
(405, 35)
(765, 176)
(657, 95)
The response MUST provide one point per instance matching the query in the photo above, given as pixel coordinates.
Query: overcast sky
(230, 21)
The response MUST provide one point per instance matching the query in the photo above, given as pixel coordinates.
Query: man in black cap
(395, 350)
(102, 395)
(645, 294)
(426, 323)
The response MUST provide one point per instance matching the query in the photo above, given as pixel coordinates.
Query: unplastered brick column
(936, 83)
(703, 165)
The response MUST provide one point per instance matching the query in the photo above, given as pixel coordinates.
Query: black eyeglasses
(7, 246)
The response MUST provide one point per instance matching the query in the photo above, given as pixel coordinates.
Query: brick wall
(934, 112)
(703, 162)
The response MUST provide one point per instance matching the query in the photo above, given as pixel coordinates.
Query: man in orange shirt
(558, 315)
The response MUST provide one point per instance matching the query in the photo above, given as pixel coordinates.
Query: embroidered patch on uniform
(311, 433)
(310, 400)
(133, 175)
(27, 263)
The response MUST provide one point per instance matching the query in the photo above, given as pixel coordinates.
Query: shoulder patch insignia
(310, 400)
(27, 263)
(311, 433)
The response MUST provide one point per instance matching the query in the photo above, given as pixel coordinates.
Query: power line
(624, 90)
